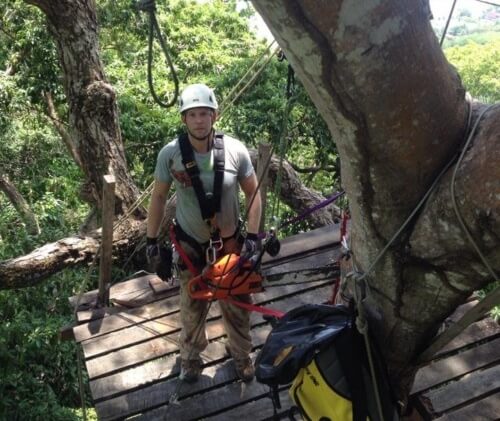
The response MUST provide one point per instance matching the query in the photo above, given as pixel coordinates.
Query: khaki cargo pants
(193, 338)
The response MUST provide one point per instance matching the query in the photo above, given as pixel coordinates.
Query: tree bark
(93, 112)
(22, 207)
(397, 110)
(128, 239)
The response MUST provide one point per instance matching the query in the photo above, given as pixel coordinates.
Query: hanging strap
(259, 309)
(209, 203)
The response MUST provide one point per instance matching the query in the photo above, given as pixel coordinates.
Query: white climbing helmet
(197, 95)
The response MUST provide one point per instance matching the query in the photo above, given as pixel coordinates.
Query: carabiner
(211, 254)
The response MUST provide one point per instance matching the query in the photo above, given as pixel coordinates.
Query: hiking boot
(244, 369)
(190, 370)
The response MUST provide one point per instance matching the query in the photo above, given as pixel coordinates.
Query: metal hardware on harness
(272, 244)
(213, 247)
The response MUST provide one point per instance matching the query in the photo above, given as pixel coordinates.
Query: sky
(440, 10)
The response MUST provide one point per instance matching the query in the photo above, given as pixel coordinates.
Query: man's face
(199, 122)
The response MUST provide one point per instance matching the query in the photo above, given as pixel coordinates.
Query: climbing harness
(210, 203)
(149, 6)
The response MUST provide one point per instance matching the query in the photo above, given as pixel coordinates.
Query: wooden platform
(462, 382)
(131, 351)
(132, 354)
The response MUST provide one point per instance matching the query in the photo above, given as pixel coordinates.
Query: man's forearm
(254, 213)
(155, 217)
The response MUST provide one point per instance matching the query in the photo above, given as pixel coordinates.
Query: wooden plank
(208, 403)
(169, 323)
(484, 409)
(155, 395)
(161, 368)
(261, 409)
(444, 370)
(460, 311)
(321, 261)
(481, 330)
(166, 344)
(126, 318)
(455, 329)
(469, 388)
(311, 240)
(119, 290)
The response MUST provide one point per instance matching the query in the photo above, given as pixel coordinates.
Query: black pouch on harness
(164, 266)
(318, 348)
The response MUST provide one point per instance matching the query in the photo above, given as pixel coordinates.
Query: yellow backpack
(318, 349)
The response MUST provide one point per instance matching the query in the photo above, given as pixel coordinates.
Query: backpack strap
(350, 355)
(209, 203)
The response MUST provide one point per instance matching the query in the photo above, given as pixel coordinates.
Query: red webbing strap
(343, 233)
(182, 253)
(258, 309)
(343, 227)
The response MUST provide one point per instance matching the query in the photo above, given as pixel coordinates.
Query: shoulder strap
(208, 205)
(219, 163)
(350, 355)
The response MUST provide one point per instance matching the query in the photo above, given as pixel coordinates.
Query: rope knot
(361, 325)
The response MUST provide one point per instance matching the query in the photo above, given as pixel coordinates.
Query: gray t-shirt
(237, 166)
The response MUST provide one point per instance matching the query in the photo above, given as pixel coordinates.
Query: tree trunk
(22, 207)
(41, 263)
(397, 110)
(93, 112)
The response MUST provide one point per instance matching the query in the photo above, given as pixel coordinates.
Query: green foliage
(38, 372)
(479, 67)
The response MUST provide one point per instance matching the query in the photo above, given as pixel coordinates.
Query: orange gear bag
(225, 278)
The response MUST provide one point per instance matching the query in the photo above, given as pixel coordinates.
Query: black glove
(250, 247)
(159, 258)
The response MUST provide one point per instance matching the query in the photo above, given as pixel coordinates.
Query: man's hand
(159, 259)
(250, 247)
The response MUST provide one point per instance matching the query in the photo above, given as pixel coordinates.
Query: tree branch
(21, 205)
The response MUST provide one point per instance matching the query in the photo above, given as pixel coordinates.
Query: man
(201, 222)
